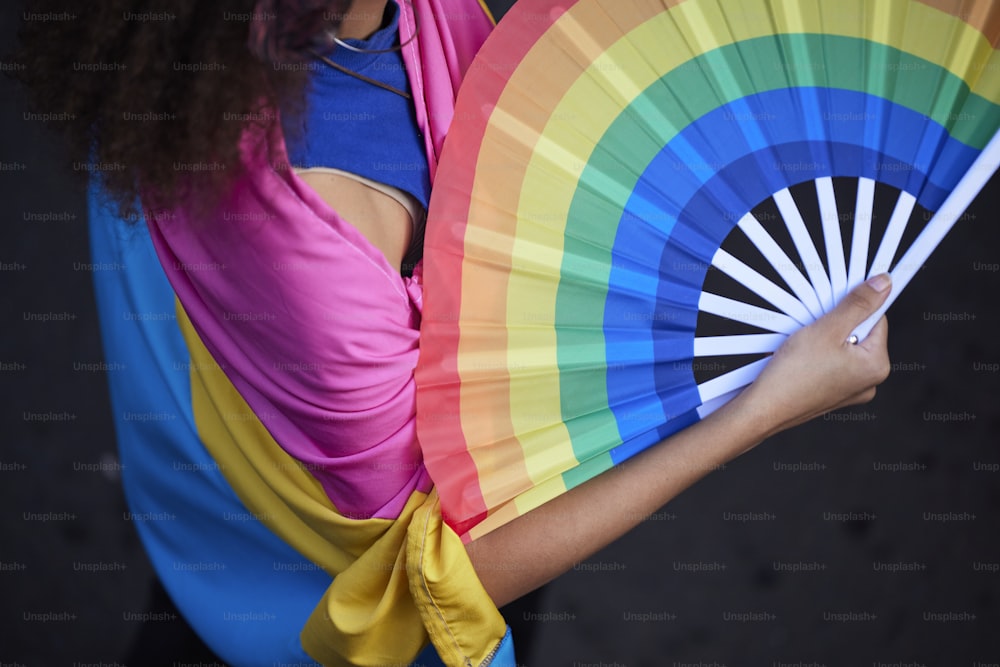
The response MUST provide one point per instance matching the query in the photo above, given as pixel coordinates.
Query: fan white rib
(893, 233)
(782, 263)
(805, 247)
(714, 404)
(747, 314)
(951, 210)
(761, 286)
(862, 232)
(832, 237)
(731, 381)
(720, 346)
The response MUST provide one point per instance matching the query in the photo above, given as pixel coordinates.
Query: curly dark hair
(155, 102)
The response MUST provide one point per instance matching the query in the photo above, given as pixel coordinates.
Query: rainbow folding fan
(638, 201)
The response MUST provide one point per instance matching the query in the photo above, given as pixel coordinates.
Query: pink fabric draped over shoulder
(314, 328)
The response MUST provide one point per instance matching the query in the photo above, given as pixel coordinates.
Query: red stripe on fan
(438, 413)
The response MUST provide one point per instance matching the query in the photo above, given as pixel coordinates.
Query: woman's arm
(815, 371)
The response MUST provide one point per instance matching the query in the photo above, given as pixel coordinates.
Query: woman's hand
(818, 369)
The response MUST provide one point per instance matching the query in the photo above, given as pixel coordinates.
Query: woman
(290, 230)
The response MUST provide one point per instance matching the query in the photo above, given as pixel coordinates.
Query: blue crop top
(354, 126)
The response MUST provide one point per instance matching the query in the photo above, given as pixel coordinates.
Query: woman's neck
(362, 19)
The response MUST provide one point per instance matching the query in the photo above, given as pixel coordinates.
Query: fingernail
(880, 283)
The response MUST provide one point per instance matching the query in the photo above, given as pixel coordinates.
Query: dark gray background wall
(871, 537)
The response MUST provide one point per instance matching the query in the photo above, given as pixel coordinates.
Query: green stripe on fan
(750, 67)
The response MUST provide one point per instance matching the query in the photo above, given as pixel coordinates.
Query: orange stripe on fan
(438, 422)
(497, 189)
(983, 15)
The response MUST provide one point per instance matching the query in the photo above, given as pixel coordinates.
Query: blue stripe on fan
(696, 190)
